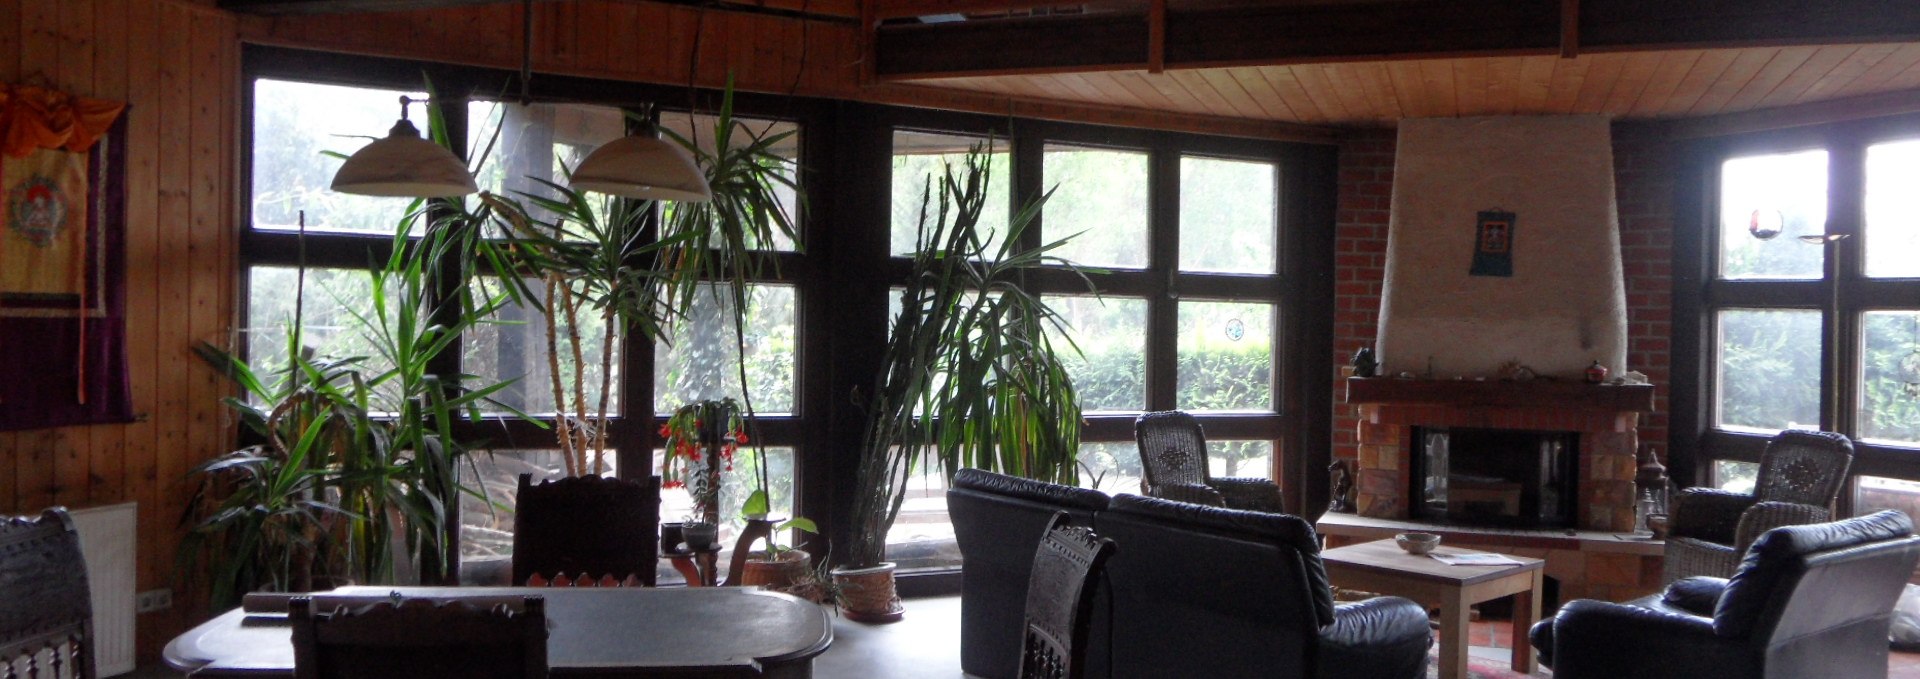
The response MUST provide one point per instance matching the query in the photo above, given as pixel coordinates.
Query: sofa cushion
(1778, 554)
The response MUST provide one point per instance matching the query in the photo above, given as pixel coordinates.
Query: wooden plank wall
(177, 64)
(657, 43)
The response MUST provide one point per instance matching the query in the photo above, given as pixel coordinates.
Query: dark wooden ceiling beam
(285, 7)
(1315, 33)
(835, 12)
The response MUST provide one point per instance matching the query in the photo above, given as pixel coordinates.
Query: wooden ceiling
(1628, 85)
(1342, 63)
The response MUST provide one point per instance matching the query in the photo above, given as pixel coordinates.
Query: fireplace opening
(1495, 477)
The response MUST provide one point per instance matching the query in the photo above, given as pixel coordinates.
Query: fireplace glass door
(1495, 477)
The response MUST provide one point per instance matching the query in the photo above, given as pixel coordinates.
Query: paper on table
(1477, 559)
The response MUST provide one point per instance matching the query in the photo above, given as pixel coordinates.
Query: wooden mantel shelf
(1541, 393)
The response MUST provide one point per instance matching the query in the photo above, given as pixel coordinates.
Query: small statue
(1340, 481)
(1364, 364)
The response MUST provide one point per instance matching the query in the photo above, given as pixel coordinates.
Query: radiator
(108, 541)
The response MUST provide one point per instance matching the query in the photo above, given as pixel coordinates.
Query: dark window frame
(1699, 294)
(843, 279)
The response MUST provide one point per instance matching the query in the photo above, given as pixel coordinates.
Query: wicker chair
(1173, 462)
(1060, 600)
(46, 614)
(1800, 474)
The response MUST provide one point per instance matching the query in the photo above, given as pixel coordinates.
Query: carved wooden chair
(420, 639)
(1801, 473)
(46, 612)
(1173, 464)
(1060, 600)
(586, 531)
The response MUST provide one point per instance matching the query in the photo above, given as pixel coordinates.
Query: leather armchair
(997, 522)
(1800, 474)
(1201, 591)
(1807, 601)
(1173, 464)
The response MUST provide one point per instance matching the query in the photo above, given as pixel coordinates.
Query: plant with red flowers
(700, 439)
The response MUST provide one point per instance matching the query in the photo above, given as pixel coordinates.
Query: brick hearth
(1605, 417)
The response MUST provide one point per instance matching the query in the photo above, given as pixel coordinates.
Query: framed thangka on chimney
(1493, 244)
(62, 253)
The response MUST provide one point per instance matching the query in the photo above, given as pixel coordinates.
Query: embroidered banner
(62, 279)
(1493, 245)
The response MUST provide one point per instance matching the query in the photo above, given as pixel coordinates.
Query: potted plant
(353, 466)
(970, 376)
(781, 568)
(701, 439)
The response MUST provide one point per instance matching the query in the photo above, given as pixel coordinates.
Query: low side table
(1381, 566)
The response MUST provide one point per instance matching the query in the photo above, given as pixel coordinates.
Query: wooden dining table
(602, 632)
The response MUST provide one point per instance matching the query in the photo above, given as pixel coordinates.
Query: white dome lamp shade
(643, 166)
(404, 165)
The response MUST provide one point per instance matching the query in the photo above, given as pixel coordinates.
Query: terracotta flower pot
(867, 594)
(780, 573)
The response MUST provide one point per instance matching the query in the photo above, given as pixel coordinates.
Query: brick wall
(1643, 177)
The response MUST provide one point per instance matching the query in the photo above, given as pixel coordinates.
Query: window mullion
(1163, 262)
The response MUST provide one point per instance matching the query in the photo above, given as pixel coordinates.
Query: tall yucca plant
(971, 375)
(352, 460)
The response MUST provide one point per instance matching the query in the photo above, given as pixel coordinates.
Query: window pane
(735, 485)
(1102, 196)
(331, 332)
(513, 346)
(1240, 458)
(1735, 475)
(293, 125)
(701, 361)
(922, 537)
(699, 127)
(1766, 204)
(1227, 213)
(920, 160)
(1110, 373)
(1768, 369)
(1893, 210)
(1890, 377)
(1110, 467)
(1878, 493)
(524, 145)
(1226, 356)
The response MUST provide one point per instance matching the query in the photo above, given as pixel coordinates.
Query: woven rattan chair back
(1060, 600)
(420, 639)
(46, 613)
(1804, 467)
(1173, 451)
(586, 529)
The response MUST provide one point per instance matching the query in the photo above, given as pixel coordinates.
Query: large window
(1810, 301)
(1188, 307)
(516, 150)
(1199, 282)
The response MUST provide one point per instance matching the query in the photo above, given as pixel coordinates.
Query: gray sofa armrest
(1766, 516)
(1709, 514)
(1598, 639)
(1252, 494)
(1191, 494)
(1385, 637)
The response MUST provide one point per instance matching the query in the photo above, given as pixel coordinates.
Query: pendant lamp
(643, 166)
(404, 165)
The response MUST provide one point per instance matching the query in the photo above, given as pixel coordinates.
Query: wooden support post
(1569, 29)
(1157, 37)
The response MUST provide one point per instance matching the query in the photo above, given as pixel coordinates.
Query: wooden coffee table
(1381, 566)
